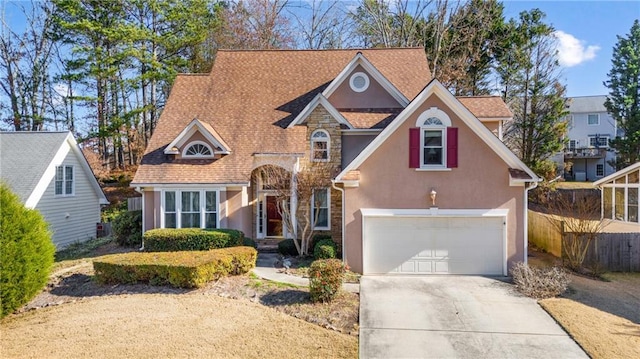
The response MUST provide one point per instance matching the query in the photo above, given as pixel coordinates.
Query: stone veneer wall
(321, 119)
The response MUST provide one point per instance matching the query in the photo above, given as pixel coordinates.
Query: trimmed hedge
(324, 249)
(184, 269)
(26, 252)
(127, 228)
(191, 239)
(325, 279)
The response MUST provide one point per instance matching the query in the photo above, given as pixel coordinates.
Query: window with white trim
(190, 209)
(320, 205)
(599, 170)
(432, 143)
(198, 149)
(593, 119)
(320, 144)
(64, 181)
(573, 144)
(599, 141)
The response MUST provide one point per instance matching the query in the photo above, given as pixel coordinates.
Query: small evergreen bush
(325, 279)
(324, 249)
(26, 252)
(249, 242)
(539, 283)
(287, 247)
(127, 228)
(191, 239)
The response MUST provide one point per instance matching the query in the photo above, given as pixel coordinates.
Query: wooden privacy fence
(618, 252)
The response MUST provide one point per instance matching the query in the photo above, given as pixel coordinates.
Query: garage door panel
(434, 245)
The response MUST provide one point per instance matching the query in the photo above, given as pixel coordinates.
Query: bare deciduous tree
(296, 199)
(322, 24)
(578, 221)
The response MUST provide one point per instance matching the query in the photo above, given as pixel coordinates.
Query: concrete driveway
(455, 317)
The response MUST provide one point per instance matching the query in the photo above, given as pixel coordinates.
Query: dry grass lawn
(167, 326)
(601, 335)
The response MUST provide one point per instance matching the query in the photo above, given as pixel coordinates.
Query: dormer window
(198, 149)
(320, 142)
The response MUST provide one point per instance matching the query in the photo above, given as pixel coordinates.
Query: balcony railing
(585, 153)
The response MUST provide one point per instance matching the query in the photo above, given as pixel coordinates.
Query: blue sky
(588, 34)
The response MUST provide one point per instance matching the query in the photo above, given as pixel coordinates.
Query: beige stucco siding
(151, 210)
(481, 181)
(239, 216)
(375, 96)
(71, 218)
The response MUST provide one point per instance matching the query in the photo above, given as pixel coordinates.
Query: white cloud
(572, 51)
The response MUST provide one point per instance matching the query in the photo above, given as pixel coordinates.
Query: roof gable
(206, 130)
(319, 100)
(361, 61)
(29, 160)
(617, 174)
(437, 89)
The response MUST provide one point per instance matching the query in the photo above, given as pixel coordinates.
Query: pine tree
(623, 102)
(528, 70)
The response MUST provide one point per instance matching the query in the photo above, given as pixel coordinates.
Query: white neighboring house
(48, 172)
(590, 129)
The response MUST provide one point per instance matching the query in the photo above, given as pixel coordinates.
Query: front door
(274, 219)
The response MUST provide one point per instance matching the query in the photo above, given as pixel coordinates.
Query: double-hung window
(190, 209)
(599, 141)
(433, 144)
(320, 208)
(593, 119)
(64, 181)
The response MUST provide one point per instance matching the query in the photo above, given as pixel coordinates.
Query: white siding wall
(83, 208)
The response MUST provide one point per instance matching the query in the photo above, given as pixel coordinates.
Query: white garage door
(434, 245)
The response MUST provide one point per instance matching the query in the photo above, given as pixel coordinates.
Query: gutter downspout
(139, 190)
(526, 220)
(333, 184)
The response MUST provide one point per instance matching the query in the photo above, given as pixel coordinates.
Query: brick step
(269, 245)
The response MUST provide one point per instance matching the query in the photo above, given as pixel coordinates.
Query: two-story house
(587, 154)
(420, 181)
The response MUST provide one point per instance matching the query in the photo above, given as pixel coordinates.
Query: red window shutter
(452, 147)
(414, 147)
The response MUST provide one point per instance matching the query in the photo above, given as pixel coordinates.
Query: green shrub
(539, 282)
(26, 252)
(185, 269)
(325, 279)
(191, 239)
(287, 247)
(127, 228)
(249, 242)
(319, 237)
(324, 249)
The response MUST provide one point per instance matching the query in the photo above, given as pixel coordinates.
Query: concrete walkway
(455, 317)
(266, 269)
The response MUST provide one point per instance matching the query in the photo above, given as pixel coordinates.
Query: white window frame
(606, 145)
(425, 123)
(600, 166)
(65, 169)
(178, 211)
(193, 143)
(575, 145)
(313, 209)
(597, 119)
(326, 140)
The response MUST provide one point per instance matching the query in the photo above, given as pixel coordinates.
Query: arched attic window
(320, 145)
(433, 142)
(198, 149)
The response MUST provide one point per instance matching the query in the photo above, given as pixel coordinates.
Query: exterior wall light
(433, 197)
